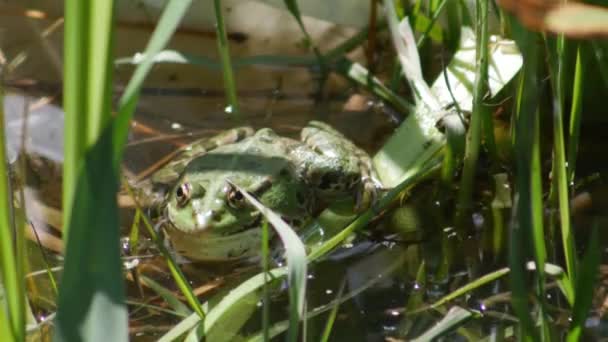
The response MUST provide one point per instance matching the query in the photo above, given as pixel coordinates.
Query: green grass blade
(91, 299)
(575, 114)
(265, 290)
(292, 7)
(214, 315)
(100, 68)
(456, 317)
(167, 24)
(74, 100)
(490, 277)
(224, 52)
(11, 252)
(296, 264)
(168, 296)
(527, 220)
(585, 286)
(361, 76)
(91, 296)
(332, 316)
(560, 176)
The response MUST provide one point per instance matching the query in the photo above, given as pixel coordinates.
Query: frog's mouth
(256, 223)
(208, 246)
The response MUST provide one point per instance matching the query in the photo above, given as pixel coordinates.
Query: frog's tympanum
(210, 220)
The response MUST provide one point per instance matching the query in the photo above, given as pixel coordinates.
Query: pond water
(385, 277)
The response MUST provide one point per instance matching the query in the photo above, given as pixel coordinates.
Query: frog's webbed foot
(369, 188)
(171, 171)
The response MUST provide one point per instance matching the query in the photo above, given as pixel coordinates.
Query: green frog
(208, 217)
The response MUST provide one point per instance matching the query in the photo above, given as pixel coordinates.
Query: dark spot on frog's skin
(300, 198)
(215, 216)
(326, 181)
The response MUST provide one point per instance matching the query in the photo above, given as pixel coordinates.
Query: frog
(208, 219)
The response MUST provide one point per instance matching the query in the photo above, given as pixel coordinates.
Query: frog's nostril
(215, 216)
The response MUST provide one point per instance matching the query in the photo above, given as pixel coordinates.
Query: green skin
(211, 221)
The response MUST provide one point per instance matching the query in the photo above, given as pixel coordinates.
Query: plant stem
(223, 49)
(475, 130)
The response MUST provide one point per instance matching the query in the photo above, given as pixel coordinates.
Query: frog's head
(211, 205)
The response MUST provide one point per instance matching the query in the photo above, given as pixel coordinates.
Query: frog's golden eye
(235, 198)
(183, 194)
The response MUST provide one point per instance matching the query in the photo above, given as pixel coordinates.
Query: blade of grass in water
(585, 286)
(526, 224)
(454, 318)
(296, 264)
(560, 177)
(490, 277)
(224, 52)
(168, 295)
(265, 291)
(166, 26)
(293, 8)
(575, 114)
(12, 310)
(358, 74)
(332, 315)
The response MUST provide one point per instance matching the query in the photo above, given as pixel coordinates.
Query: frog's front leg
(344, 168)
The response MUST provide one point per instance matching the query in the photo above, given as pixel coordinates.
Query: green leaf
(12, 294)
(585, 286)
(296, 263)
(167, 24)
(456, 317)
(472, 286)
(167, 295)
(91, 298)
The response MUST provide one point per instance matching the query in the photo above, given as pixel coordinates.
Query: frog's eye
(235, 198)
(183, 194)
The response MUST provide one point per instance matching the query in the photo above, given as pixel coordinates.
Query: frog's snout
(206, 220)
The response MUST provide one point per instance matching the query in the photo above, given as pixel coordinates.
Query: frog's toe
(367, 194)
